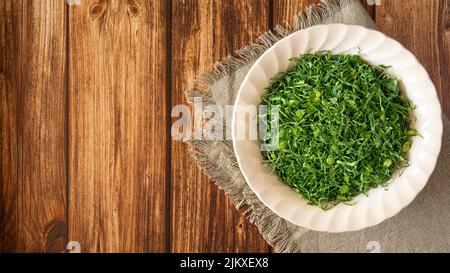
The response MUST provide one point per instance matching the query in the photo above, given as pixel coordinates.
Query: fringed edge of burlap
(272, 227)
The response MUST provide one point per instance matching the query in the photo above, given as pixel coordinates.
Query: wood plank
(203, 32)
(284, 10)
(32, 121)
(423, 27)
(444, 53)
(117, 125)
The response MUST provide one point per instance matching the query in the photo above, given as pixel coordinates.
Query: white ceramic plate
(380, 204)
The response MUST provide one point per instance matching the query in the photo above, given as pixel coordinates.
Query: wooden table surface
(86, 94)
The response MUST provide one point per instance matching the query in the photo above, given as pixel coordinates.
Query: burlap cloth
(423, 226)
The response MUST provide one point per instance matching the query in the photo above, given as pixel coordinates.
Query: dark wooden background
(86, 93)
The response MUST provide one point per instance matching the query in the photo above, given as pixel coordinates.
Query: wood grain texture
(203, 219)
(33, 155)
(284, 10)
(95, 125)
(117, 126)
(444, 53)
(423, 26)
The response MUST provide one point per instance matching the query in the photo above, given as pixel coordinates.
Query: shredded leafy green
(344, 127)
